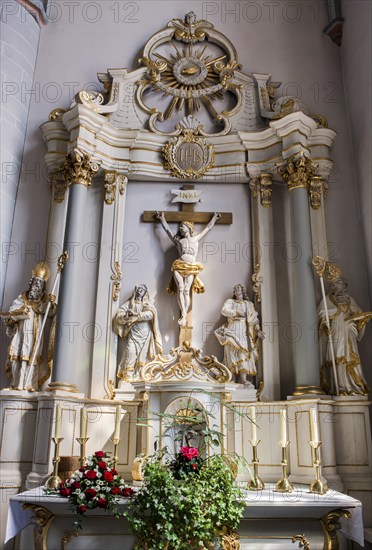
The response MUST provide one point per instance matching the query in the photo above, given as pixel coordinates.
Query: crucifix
(185, 269)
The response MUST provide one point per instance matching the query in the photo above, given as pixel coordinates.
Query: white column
(66, 373)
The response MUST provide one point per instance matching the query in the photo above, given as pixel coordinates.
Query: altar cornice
(138, 153)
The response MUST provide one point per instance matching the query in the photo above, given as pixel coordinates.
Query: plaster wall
(282, 38)
(357, 76)
(19, 34)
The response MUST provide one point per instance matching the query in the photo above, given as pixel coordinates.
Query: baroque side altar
(159, 316)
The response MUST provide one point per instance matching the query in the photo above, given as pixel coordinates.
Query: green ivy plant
(174, 511)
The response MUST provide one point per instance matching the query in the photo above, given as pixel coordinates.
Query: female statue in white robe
(347, 323)
(137, 323)
(240, 336)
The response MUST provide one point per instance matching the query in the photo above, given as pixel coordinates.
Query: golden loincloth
(185, 269)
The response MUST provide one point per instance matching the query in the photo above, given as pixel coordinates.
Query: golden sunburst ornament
(190, 75)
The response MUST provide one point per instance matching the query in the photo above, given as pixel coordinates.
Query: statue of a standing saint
(137, 323)
(240, 336)
(347, 325)
(24, 320)
(186, 269)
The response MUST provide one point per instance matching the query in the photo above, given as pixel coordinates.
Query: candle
(314, 426)
(117, 422)
(252, 416)
(283, 428)
(57, 433)
(83, 423)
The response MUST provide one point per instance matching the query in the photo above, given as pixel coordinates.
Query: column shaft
(64, 362)
(306, 354)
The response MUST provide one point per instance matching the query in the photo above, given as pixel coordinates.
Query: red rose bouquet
(95, 485)
(187, 461)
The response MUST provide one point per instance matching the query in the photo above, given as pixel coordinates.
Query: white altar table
(271, 521)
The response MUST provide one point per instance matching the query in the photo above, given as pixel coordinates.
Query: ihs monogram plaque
(189, 155)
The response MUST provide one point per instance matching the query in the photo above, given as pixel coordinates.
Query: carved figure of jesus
(185, 269)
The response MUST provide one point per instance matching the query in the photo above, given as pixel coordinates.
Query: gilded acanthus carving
(266, 189)
(80, 168)
(110, 186)
(298, 172)
(59, 183)
(317, 186)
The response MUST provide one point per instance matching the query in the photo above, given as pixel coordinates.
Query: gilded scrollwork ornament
(116, 279)
(42, 521)
(230, 541)
(302, 541)
(257, 281)
(331, 524)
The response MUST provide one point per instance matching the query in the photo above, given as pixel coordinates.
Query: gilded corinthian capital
(298, 172)
(79, 168)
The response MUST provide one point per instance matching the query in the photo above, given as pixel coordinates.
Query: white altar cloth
(300, 503)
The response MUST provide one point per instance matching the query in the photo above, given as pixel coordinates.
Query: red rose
(82, 508)
(75, 485)
(127, 492)
(114, 472)
(102, 503)
(100, 454)
(83, 468)
(90, 493)
(64, 492)
(107, 476)
(189, 452)
(90, 474)
(102, 465)
(115, 491)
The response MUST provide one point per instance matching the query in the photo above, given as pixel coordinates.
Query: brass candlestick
(284, 485)
(83, 445)
(318, 486)
(54, 481)
(115, 458)
(256, 483)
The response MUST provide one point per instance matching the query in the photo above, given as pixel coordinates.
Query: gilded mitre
(332, 272)
(41, 271)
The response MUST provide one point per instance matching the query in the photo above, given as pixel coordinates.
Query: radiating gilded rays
(189, 103)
